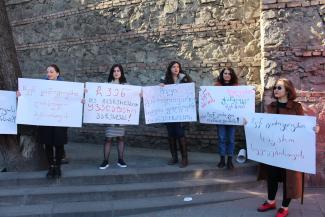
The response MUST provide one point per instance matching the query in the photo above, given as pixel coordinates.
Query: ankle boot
(183, 147)
(230, 166)
(58, 172)
(173, 151)
(51, 172)
(222, 162)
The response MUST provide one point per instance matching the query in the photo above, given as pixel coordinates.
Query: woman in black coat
(175, 75)
(53, 138)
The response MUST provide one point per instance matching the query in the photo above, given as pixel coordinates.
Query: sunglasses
(277, 88)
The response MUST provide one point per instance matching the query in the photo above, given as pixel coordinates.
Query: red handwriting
(110, 92)
(206, 98)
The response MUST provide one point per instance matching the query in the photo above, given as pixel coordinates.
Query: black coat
(55, 136)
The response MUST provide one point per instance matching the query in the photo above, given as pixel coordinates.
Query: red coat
(294, 179)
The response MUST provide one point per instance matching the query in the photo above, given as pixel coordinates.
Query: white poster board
(112, 104)
(50, 103)
(8, 112)
(171, 103)
(286, 141)
(226, 105)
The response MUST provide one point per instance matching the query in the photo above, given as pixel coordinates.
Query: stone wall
(293, 46)
(263, 40)
(86, 37)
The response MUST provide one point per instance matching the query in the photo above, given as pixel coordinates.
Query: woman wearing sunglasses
(284, 93)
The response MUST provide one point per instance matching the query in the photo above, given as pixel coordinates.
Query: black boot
(183, 147)
(173, 151)
(230, 166)
(58, 172)
(222, 162)
(51, 172)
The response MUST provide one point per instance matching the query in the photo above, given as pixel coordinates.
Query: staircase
(121, 192)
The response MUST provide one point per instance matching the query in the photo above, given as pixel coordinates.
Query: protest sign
(8, 112)
(112, 104)
(50, 103)
(286, 141)
(171, 103)
(225, 105)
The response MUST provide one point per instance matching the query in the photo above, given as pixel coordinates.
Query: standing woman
(284, 93)
(53, 138)
(175, 75)
(116, 76)
(226, 133)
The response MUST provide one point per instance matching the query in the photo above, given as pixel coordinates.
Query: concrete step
(59, 194)
(123, 207)
(94, 176)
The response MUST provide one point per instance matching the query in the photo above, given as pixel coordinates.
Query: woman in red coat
(284, 93)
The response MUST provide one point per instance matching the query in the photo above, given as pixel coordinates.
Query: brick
(269, 1)
(305, 4)
(269, 6)
(293, 4)
(307, 54)
(317, 53)
(314, 2)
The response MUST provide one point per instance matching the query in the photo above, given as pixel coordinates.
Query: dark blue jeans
(226, 135)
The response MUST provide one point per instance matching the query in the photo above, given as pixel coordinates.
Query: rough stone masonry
(261, 39)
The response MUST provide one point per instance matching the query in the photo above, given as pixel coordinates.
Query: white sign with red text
(171, 103)
(225, 105)
(107, 103)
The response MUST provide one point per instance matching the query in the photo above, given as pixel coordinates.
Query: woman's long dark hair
(233, 80)
(168, 76)
(122, 79)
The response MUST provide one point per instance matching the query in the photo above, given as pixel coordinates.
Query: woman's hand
(316, 129)
(83, 101)
(162, 85)
(18, 94)
(245, 122)
(85, 90)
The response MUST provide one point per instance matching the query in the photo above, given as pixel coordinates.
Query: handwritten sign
(50, 103)
(225, 105)
(8, 112)
(286, 141)
(171, 103)
(112, 104)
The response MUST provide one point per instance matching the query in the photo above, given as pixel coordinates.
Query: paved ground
(314, 204)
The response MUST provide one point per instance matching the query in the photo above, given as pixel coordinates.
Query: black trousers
(276, 175)
(175, 130)
(59, 150)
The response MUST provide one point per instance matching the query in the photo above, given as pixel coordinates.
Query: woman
(116, 76)
(226, 133)
(175, 75)
(53, 138)
(284, 93)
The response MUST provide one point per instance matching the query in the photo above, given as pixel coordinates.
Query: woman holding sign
(116, 76)
(284, 93)
(226, 133)
(176, 75)
(54, 138)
